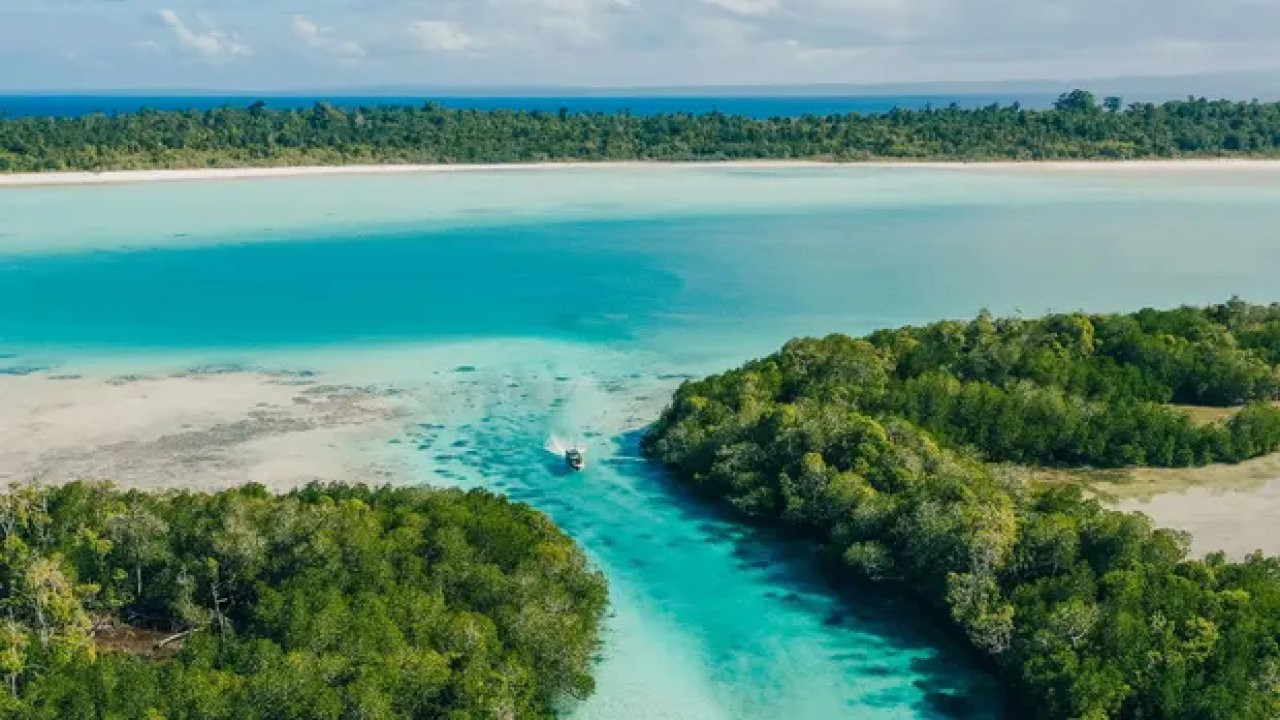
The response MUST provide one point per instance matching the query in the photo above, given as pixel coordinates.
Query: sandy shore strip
(198, 431)
(241, 173)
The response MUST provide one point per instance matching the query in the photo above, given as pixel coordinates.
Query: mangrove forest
(898, 454)
(329, 602)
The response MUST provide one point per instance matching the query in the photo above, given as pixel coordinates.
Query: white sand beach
(241, 173)
(196, 431)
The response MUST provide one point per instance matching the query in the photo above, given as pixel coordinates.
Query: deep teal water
(674, 285)
(578, 319)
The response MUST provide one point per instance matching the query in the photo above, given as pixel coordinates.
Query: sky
(301, 44)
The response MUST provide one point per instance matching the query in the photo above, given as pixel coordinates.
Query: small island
(901, 454)
(1078, 127)
(328, 602)
(473, 360)
(316, 337)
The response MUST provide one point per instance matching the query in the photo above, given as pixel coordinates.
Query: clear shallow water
(710, 620)
(522, 304)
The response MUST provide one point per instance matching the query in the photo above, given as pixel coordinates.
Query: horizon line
(959, 87)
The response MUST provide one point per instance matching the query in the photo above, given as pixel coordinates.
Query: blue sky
(283, 44)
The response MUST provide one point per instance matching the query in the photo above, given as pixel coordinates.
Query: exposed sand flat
(1233, 508)
(199, 431)
(213, 430)
(235, 173)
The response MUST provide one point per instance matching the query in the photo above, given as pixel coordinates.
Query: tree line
(1077, 127)
(878, 448)
(330, 602)
(1076, 389)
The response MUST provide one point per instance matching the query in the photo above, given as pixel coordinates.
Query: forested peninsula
(329, 602)
(893, 452)
(1078, 127)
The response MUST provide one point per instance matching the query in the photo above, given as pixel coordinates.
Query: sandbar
(203, 431)
(242, 173)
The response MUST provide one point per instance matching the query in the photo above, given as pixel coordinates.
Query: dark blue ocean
(756, 107)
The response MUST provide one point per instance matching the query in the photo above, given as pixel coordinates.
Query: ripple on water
(672, 273)
(709, 619)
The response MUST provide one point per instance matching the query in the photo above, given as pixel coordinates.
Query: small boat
(575, 456)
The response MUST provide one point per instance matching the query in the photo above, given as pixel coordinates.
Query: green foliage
(330, 602)
(1077, 128)
(875, 448)
(1065, 390)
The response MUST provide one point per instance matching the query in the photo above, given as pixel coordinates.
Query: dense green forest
(330, 602)
(1076, 389)
(877, 449)
(1078, 127)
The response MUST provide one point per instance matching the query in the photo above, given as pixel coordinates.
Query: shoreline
(1223, 507)
(114, 177)
(200, 430)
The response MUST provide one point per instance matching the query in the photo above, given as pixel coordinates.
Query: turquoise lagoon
(520, 304)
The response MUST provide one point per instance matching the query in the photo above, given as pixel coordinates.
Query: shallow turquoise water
(524, 304)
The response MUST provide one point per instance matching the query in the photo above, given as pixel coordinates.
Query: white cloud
(439, 36)
(851, 23)
(721, 32)
(557, 24)
(206, 41)
(573, 30)
(575, 7)
(322, 38)
(631, 42)
(746, 7)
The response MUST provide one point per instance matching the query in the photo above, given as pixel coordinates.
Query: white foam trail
(555, 446)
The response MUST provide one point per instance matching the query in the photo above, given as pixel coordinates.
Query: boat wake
(558, 446)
